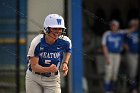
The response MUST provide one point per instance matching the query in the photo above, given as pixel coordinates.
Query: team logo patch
(58, 21)
(41, 48)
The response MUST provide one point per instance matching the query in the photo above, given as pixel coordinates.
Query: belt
(45, 74)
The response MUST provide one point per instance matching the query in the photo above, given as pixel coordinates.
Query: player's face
(135, 25)
(56, 32)
(114, 27)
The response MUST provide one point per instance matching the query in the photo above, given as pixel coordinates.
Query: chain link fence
(29, 27)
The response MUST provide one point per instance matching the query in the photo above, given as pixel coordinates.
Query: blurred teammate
(46, 53)
(112, 43)
(132, 42)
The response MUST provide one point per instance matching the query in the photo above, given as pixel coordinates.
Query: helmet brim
(57, 27)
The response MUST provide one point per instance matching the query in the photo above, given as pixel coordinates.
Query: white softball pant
(40, 84)
(111, 70)
(132, 61)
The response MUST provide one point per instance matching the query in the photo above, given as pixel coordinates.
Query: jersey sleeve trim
(35, 42)
(69, 44)
(104, 39)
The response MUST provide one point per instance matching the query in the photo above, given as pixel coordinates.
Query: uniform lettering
(50, 55)
(134, 37)
(58, 21)
(112, 39)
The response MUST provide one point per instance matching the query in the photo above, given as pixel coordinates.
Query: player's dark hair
(41, 32)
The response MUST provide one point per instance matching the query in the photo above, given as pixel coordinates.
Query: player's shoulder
(65, 38)
(108, 32)
(36, 40)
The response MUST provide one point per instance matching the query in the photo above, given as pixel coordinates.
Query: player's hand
(65, 69)
(108, 61)
(53, 68)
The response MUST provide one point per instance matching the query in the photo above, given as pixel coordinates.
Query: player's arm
(67, 55)
(33, 55)
(65, 63)
(105, 49)
(38, 68)
(68, 49)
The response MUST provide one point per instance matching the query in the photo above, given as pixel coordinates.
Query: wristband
(65, 63)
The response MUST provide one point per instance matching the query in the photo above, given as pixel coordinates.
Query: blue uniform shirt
(113, 41)
(132, 41)
(49, 54)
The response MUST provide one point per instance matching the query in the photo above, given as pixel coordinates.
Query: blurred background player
(132, 42)
(46, 53)
(112, 43)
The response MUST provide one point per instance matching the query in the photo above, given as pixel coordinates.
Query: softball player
(132, 43)
(112, 42)
(46, 53)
